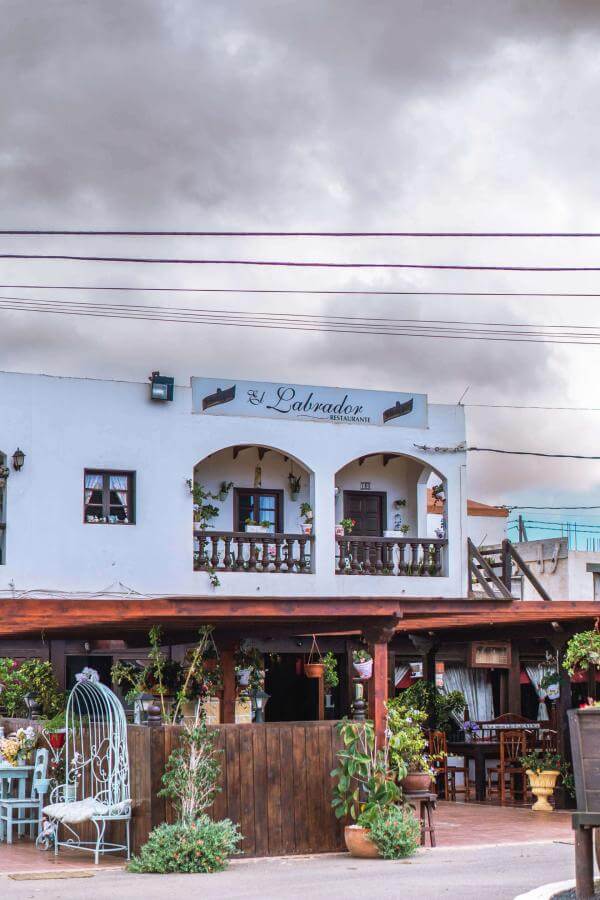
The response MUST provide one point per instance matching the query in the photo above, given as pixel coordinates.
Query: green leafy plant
(265, 524)
(250, 659)
(407, 740)
(348, 525)
(582, 651)
(224, 490)
(400, 502)
(31, 676)
(295, 483)
(306, 512)
(330, 674)
(541, 761)
(55, 723)
(361, 655)
(364, 781)
(443, 709)
(395, 832)
(201, 846)
(191, 773)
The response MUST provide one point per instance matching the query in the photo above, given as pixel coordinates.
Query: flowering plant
(306, 512)
(87, 674)
(348, 525)
(470, 727)
(17, 745)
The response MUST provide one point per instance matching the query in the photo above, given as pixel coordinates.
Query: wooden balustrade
(356, 555)
(241, 551)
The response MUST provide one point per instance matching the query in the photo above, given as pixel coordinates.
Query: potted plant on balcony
(224, 489)
(347, 525)
(307, 515)
(295, 485)
(363, 663)
(543, 768)
(254, 527)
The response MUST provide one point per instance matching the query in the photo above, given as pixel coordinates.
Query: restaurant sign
(227, 397)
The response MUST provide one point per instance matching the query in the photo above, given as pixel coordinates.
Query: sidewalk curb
(546, 890)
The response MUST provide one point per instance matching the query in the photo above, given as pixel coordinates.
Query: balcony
(356, 555)
(239, 551)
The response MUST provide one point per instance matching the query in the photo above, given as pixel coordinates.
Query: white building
(103, 495)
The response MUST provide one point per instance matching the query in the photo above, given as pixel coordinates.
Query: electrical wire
(529, 453)
(85, 232)
(342, 293)
(304, 264)
(296, 322)
(512, 506)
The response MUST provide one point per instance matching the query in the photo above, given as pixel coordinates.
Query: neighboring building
(566, 574)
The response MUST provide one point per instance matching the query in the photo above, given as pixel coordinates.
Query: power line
(529, 453)
(295, 263)
(523, 406)
(357, 293)
(84, 232)
(516, 506)
(287, 322)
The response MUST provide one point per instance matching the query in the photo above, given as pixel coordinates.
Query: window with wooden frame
(108, 497)
(258, 505)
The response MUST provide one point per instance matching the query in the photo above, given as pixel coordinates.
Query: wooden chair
(513, 744)
(28, 810)
(438, 745)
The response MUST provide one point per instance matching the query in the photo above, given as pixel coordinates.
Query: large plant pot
(416, 781)
(314, 670)
(359, 843)
(364, 669)
(542, 785)
(584, 727)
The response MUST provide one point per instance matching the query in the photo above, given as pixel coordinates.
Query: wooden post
(378, 636)
(58, 660)
(584, 863)
(514, 681)
(379, 693)
(321, 699)
(229, 692)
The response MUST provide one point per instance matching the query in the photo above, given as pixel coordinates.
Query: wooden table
(8, 774)
(478, 751)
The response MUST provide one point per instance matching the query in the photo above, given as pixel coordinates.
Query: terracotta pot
(359, 843)
(57, 739)
(314, 670)
(364, 669)
(542, 785)
(307, 527)
(416, 781)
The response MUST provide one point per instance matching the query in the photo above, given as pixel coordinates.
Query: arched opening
(383, 510)
(252, 511)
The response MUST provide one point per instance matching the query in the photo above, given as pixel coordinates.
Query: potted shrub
(330, 674)
(347, 525)
(408, 745)
(307, 515)
(583, 651)
(54, 730)
(363, 663)
(543, 768)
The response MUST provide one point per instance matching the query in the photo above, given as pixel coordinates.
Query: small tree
(191, 773)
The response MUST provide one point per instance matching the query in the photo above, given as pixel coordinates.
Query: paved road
(492, 873)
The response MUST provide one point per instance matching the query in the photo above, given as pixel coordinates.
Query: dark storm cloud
(342, 114)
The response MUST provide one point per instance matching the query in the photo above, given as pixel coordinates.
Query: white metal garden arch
(96, 787)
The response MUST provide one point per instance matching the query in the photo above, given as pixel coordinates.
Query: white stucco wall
(481, 529)
(65, 425)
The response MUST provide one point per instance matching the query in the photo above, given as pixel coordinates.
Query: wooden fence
(275, 783)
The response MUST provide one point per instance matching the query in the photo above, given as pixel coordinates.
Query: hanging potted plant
(543, 768)
(307, 514)
(363, 663)
(550, 684)
(295, 485)
(314, 667)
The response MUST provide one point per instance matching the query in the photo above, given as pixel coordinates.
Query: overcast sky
(281, 114)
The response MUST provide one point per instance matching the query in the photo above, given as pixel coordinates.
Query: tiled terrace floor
(457, 825)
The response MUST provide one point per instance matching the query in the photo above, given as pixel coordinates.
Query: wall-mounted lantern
(161, 387)
(18, 459)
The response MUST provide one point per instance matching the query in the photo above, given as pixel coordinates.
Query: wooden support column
(584, 863)
(378, 636)
(229, 692)
(514, 681)
(378, 695)
(58, 660)
(321, 699)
